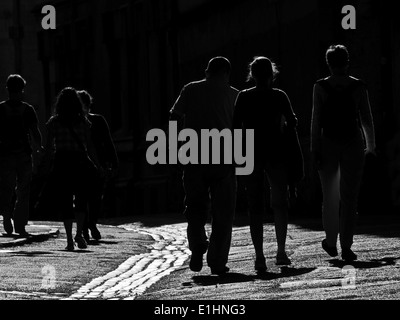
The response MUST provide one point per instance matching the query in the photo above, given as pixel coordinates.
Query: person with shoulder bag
(268, 112)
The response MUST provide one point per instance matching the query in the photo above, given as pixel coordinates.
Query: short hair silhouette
(218, 65)
(337, 56)
(15, 83)
(86, 98)
(262, 69)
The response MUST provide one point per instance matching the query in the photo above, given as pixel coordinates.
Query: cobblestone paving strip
(138, 273)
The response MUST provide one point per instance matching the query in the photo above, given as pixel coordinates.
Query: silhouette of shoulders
(335, 82)
(254, 91)
(16, 103)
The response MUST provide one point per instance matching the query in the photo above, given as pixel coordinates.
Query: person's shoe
(70, 246)
(220, 271)
(348, 255)
(260, 264)
(196, 261)
(332, 251)
(282, 259)
(80, 241)
(86, 236)
(8, 226)
(95, 233)
(23, 234)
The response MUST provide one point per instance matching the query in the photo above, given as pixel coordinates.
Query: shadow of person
(286, 272)
(373, 263)
(230, 277)
(31, 253)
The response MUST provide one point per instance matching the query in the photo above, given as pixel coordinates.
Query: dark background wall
(135, 56)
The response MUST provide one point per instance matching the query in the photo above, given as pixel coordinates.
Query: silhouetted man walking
(18, 129)
(209, 104)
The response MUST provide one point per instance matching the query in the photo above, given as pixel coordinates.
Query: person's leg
(197, 206)
(7, 189)
(64, 200)
(351, 168)
(278, 181)
(68, 231)
(80, 217)
(255, 191)
(223, 199)
(331, 203)
(82, 190)
(24, 179)
(95, 204)
(329, 174)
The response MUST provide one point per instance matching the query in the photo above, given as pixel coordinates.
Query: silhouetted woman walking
(266, 110)
(68, 138)
(341, 119)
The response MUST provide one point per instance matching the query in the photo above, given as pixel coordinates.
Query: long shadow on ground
(232, 277)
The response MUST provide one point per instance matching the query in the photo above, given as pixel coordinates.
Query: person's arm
(181, 105)
(178, 111)
(111, 152)
(36, 137)
(50, 147)
(34, 131)
(237, 114)
(91, 149)
(45, 165)
(367, 122)
(288, 113)
(316, 130)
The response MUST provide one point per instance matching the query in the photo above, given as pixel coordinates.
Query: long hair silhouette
(68, 107)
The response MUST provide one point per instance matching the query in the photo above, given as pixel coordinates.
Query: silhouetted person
(341, 114)
(209, 104)
(267, 110)
(108, 159)
(69, 140)
(18, 131)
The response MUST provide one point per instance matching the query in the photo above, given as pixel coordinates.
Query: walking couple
(76, 138)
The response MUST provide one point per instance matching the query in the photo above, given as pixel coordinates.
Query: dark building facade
(135, 56)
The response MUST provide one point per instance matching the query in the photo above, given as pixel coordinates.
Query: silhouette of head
(86, 99)
(262, 70)
(218, 66)
(337, 57)
(15, 84)
(69, 107)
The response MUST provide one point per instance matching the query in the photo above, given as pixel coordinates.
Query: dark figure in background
(267, 110)
(108, 160)
(18, 129)
(209, 104)
(341, 114)
(69, 140)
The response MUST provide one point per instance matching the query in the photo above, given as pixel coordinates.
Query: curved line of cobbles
(168, 253)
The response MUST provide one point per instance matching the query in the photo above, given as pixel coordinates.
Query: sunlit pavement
(147, 259)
